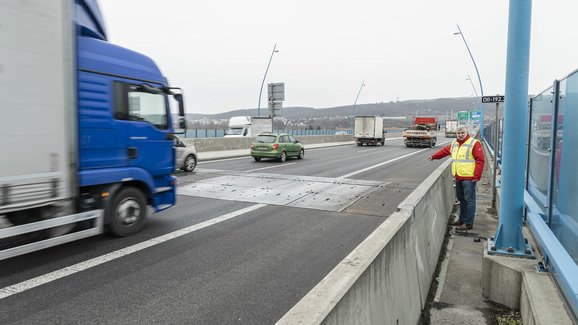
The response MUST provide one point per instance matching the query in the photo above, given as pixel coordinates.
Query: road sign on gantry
(276, 98)
(463, 117)
(475, 115)
(277, 92)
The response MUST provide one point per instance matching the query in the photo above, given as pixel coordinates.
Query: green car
(276, 146)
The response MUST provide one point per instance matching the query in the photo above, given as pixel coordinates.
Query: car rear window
(266, 139)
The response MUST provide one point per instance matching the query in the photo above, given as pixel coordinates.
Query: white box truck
(248, 126)
(369, 130)
(451, 126)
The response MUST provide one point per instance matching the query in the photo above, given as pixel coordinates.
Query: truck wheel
(127, 212)
(190, 163)
(283, 156)
(301, 154)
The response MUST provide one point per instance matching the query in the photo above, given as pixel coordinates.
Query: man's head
(461, 132)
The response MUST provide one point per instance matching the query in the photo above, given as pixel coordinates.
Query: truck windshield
(234, 131)
(148, 107)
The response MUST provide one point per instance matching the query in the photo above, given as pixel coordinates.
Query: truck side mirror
(179, 99)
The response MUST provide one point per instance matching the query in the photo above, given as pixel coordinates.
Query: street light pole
(355, 103)
(471, 83)
(265, 76)
(479, 79)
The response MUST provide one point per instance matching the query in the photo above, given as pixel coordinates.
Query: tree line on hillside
(341, 117)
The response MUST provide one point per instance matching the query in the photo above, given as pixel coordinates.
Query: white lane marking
(222, 159)
(380, 164)
(58, 274)
(366, 150)
(280, 165)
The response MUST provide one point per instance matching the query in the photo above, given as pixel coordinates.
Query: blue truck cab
(126, 156)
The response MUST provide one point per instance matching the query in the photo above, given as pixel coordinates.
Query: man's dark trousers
(466, 193)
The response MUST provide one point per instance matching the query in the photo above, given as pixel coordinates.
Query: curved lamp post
(355, 103)
(265, 76)
(479, 79)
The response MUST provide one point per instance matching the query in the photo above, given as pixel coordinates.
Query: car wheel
(190, 163)
(283, 156)
(359, 144)
(301, 154)
(127, 212)
(257, 158)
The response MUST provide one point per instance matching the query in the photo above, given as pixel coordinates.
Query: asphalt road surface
(246, 241)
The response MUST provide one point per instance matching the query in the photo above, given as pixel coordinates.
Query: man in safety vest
(467, 166)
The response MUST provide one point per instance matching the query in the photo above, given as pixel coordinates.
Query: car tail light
(275, 146)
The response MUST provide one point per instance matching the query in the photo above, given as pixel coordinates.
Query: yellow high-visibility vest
(463, 162)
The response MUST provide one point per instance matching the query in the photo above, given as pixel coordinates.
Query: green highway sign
(463, 115)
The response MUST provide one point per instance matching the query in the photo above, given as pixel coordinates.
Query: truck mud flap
(28, 229)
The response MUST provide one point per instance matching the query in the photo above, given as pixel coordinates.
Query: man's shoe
(465, 227)
(459, 222)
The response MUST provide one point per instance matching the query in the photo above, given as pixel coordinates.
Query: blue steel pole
(509, 239)
(479, 80)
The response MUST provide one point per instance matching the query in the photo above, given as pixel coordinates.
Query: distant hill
(437, 107)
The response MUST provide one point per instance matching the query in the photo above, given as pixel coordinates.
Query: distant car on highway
(276, 146)
(341, 133)
(186, 155)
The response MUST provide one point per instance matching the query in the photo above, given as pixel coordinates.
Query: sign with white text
(493, 99)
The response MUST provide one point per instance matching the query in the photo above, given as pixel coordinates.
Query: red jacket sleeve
(445, 151)
(478, 154)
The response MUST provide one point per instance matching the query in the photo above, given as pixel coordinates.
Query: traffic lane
(249, 270)
(323, 162)
(187, 212)
(367, 163)
(411, 170)
(410, 165)
(347, 159)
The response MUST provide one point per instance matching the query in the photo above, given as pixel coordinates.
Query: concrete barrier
(386, 279)
(220, 144)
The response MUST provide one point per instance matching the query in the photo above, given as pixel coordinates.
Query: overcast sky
(218, 50)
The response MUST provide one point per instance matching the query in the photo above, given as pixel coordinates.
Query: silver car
(186, 155)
